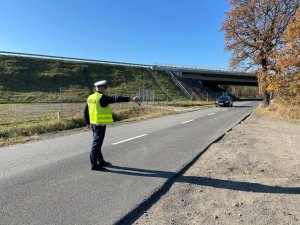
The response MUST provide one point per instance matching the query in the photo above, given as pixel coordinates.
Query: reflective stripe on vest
(98, 114)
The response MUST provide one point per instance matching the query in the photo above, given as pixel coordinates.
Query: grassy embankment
(38, 81)
(30, 80)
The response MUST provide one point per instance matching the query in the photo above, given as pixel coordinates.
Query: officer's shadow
(206, 181)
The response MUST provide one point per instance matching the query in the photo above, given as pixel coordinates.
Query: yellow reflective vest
(98, 114)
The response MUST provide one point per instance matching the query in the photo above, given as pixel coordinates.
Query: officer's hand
(135, 99)
(88, 126)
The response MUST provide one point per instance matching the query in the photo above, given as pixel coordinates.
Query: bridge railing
(159, 67)
(75, 59)
(171, 67)
(178, 84)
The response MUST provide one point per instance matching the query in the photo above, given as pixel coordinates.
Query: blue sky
(181, 32)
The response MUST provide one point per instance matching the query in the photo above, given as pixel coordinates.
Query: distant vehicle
(224, 101)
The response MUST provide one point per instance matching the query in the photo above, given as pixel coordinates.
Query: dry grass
(281, 111)
(25, 122)
(30, 130)
(187, 103)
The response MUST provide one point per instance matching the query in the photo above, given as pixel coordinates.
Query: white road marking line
(187, 121)
(224, 110)
(211, 114)
(129, 139)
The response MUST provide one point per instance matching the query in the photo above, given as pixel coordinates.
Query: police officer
(97, 115)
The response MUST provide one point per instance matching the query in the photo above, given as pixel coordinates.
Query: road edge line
(146, 204)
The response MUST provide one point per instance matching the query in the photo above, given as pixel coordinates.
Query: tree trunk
(266, 98)
(263, 82)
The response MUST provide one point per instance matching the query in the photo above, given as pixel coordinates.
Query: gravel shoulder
(251, 176)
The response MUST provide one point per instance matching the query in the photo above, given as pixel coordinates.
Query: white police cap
(100, 83)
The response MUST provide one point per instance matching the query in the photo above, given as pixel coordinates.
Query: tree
(288, 60)
(254, 31)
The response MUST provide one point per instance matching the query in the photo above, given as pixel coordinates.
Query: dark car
(224, 101)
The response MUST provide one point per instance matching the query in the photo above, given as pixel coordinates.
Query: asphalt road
(50, 181)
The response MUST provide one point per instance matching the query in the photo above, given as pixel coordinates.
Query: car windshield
(223, 98)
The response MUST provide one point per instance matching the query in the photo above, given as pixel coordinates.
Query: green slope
(33, 80)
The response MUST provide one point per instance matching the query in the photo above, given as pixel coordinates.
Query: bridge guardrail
(75, 59)
(159, 67)
(170, 67)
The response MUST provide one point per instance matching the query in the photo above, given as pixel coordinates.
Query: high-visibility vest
(98, 114)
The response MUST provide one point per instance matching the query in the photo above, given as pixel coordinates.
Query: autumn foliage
(255, 34)
(287, 81)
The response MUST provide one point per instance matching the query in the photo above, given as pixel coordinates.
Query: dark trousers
(96, 156)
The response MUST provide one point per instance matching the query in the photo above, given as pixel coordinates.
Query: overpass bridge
(211, 76)
(206, 75)
(207, 79)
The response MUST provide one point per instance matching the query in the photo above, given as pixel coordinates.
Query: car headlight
(226, 102)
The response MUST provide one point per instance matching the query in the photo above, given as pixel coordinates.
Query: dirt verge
(251, 176)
